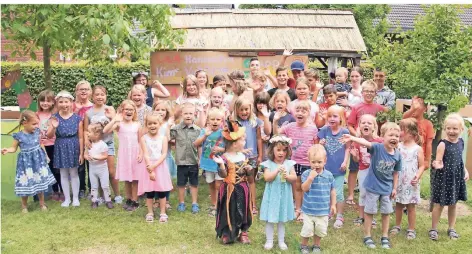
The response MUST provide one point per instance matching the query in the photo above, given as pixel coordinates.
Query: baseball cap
(297, 65)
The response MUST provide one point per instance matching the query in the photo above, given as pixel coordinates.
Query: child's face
(46, 105)
(254, 66)
(138, 98)
(297, 74)
(280, 153)
(367, 127)
(240, 143)
(128, 112)
(64, 104)
(260, 106)
(356, 77)
(31, 125)
(317, 162)
(302, 91)
(334, 119)
(280, 104)
(257, 85)
(379, 78)
(215, 122)
(453, 129)
(191, 88)
(152, 126)
(368, 93)
(330, 98)
(202, 79)
(99, 97)
(341, 77)
(244, 112)
(221, 84)
(216, 98)
(161, 111)
(391, 139)
(142, 80)
(92, 135)
(83, 92)
(282, 78)
(312, 81)
(301, 115)
(188, 115)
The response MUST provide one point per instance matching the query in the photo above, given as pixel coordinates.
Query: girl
(240, 87)
(202, 81)
(367, 129)
(244, 115)
(33, 176)
(302, 90)
(156, 179)
(191, 94)
(69, 146)
(101, 113)
(216, 101)
(97, 156)
(316, 87)
(278, 103)
(137, 94)
(355, 96)
(233, 209)
(277, 202)
(154, 92)
(130, 154)
(82, 104)
(259, 82)
(338, 155)
(261, 108)
(219, 81)
(303, 133)
(46, 107)
(448, 185)
(408, 188)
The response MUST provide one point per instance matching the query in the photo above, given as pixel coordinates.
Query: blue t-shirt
(251, 136)
(334, 149)
(379, 179)
(206, 160)
(316, 200)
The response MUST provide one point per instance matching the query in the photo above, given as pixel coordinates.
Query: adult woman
(156, 90)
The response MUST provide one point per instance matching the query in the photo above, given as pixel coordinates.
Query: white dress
(406, 192)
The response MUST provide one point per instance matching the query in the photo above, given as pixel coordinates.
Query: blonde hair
(373, 119)
(240, 86)
(238, 104)
(194, 81)
(456, 117)
(82, 82)
(388, 126)
(260, 76)
(410, 126)
(303, 81)
(27, 116)
(305, 104)
(139, 89)
(46, 95)
(166, 105)
(152, 116)
(214, 111)
(278, 93)
(369, 83)
(342, 70)
(312, 73)
(315, 150)
(340, 110)
(130, 102)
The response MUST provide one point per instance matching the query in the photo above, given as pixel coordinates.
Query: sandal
(369, 243)
(43, 208)
(163, 218)
(433, 234)
(410, 234)
(359, 221)
(453, 235)
(339, 222)
(24, 210)
(385, 243)
(168, 206)
(212, 212)
(150, 217)
(350, 202)
(395, 230)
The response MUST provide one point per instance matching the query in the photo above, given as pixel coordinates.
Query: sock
(75, 182)
(281, 232)
(269, 230)
(65, 183)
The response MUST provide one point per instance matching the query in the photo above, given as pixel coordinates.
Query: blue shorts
(353, 166)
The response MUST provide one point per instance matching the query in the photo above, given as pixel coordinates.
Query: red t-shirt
(426, 131)
(364, 155)
(291, 82)
(361, 109)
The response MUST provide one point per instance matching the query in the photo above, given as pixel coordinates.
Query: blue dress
(33, 175)
(277, 202)
(66, 148)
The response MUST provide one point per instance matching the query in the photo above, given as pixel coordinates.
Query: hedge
(116, 78)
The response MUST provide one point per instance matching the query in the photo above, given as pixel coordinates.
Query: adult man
(255, 66)
(385, 96)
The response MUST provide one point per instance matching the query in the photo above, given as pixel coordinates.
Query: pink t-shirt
(364, 155)
(361, 109)
(302, 140)
(43, 127)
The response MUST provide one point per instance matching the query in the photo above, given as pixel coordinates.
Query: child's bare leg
(41, 198)
(361, 212)
(451, 216)
(316, 240)
(411, 216)
(162, 205)
(24, 202)
(368, 224)
(252, 189)
(181, 194)
(128, 190)
(149, 203)
(399, 214)
(305, 241)
(351, 184)
(194, 193)
(437, 210)
(385, 224)
(298, 193)
(134, 190)
(115, 185)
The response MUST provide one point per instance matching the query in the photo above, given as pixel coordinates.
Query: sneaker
(269, 245)
(118, 199)
(76, 203)
(283, 246)
(195, 208)
(127, 204)
(94, 205)
(385, 242)
(81, 194)
(181, 207)
(65, 203)
(316, 249)
(100, 201)
(133, 206)
(304, 249)
(109, 204)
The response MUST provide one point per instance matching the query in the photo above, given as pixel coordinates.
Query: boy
(186, 157)
(282, 77)
(342, 88)
(212, 144)
(319, 199)
(381, 180)
(330, 97)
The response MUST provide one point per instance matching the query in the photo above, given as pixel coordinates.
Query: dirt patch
(461, 209)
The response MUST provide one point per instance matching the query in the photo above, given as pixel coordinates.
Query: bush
(116, 78)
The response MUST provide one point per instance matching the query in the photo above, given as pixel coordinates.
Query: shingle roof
(404, 16)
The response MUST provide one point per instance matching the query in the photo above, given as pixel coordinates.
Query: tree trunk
(47, 64)
(441, 115)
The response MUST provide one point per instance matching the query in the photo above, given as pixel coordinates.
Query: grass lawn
(81, 230)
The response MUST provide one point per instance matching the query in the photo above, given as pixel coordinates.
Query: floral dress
(406, 192)
(33, 175)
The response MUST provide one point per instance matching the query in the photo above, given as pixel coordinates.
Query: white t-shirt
(95, 151)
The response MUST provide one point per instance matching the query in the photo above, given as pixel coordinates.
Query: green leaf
(106, 39)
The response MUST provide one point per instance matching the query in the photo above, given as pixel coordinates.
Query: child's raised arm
(438, 163)
(275, 121)
(160, 90)
(348, 138)
(12, 148)
(114, 124)
(222, 172)
(53, 124)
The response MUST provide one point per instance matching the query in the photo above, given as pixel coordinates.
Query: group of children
(301, 140)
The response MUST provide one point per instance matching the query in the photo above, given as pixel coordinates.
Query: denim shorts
(299, 169)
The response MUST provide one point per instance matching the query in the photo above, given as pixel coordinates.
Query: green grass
(81, 230)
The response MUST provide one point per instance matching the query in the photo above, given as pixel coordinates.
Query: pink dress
(128, 167)
(163, 180)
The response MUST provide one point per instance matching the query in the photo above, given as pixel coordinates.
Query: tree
(89, 32)
(370, 18)
(433, 61)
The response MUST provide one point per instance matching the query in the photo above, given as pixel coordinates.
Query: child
(97, 156)
(338, 155)
(233, 208)
(101, 113)
(244, 114)
(202, 81)
(33, 176)
(302, 90)
(190, 94)
(278, 103)
(282, 78)
(186, 156)
(381, 180)
(261, 108)
(46, 107)
(316, 87)
(448, 185)
(342, 87)
(137, 94)
(408, 190)
(69, 147)
(211, 141)
(216, 101)
(304, 134)
(130, 153)
(330, 97)
(154, 91)
(156, 179)
(367, 130)
(319, 199)
(277, 202)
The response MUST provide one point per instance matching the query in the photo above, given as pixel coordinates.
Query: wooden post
(344, 62)
(357, 61)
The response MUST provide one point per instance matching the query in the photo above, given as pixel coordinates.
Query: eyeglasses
(83, 89)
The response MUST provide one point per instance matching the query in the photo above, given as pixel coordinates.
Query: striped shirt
(302, 139)
(316, 200)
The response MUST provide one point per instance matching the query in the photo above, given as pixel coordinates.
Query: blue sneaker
(195, 208)
(181, 207)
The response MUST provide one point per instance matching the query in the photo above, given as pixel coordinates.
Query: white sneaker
(283, 246)
(118, 199)
(76, 203)
(269, 245)
(65, 203)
